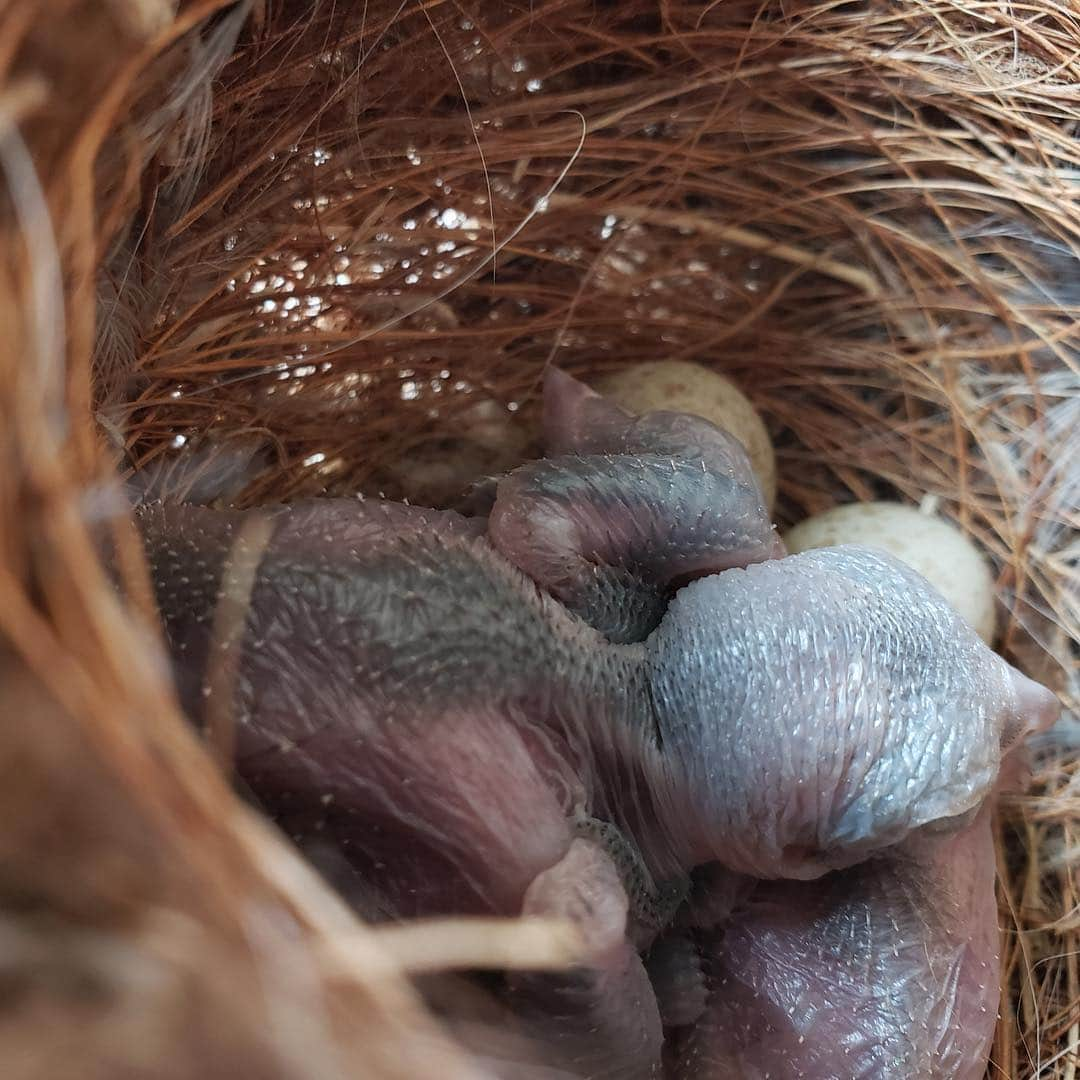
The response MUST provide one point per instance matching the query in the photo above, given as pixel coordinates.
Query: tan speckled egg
(487, 440)
(929, 545)
(691, 388)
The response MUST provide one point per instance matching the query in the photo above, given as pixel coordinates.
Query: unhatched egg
(680, 386)
(487, 440)
(930, 546)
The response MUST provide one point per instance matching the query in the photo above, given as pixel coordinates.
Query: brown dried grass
(302, 239)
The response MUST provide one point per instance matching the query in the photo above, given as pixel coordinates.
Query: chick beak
(1035, 709)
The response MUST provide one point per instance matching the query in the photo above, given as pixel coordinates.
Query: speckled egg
(691, 388)
(487, 440)
(932, 547)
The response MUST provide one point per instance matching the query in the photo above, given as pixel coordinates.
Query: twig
(528, 944)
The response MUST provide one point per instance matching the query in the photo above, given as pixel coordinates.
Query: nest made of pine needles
(276, 248)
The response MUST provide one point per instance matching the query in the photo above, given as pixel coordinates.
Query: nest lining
(296, 243)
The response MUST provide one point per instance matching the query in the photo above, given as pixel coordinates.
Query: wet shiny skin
(409, 696)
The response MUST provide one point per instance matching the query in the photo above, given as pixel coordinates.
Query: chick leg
(600, 1020)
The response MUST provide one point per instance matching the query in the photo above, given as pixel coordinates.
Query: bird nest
(278, 248)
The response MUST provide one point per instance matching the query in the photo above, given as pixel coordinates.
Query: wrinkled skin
(407, 695)
(889, 968)
(361, 726)
(887, 714)
(625, 508)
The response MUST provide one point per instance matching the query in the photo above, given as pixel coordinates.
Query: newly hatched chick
(408, 695)
(405, 696)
